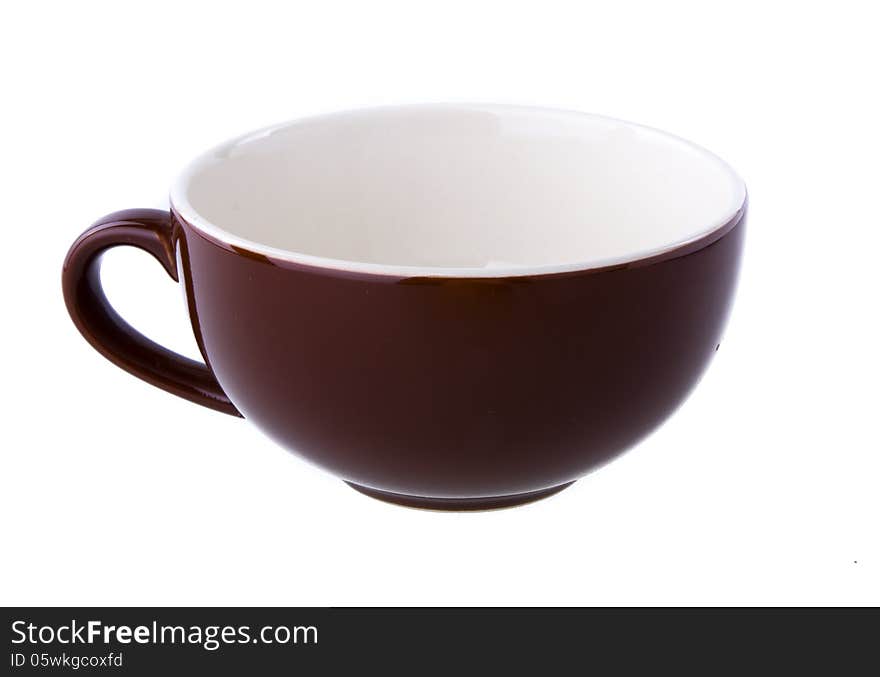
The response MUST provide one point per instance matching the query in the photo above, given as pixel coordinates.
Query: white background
(763, 489)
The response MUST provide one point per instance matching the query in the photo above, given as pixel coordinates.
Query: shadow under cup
(455, 307)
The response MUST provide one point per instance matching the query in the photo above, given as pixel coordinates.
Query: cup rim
(187, 213)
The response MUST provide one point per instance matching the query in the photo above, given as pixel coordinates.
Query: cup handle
(113, 337)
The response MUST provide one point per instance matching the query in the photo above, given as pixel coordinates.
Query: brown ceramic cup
(448, 306)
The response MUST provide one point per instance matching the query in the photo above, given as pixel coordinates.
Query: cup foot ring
(459, 504)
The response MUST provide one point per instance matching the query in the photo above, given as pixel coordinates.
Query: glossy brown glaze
(458, 393)
(151, 231)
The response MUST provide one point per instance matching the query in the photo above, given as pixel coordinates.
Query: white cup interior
(458, 189)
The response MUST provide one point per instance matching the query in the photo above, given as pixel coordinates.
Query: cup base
(459, 504)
